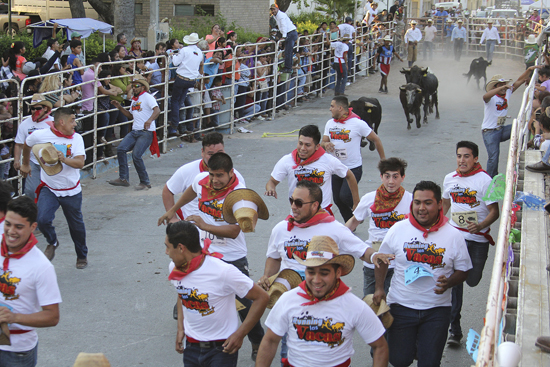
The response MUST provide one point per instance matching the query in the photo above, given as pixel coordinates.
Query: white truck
(49, 9)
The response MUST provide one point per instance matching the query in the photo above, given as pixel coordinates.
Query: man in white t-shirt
(62, 186)
(371, 13)
(493, 128)
(311, 163)
(429, 35)
(144, 110)
(53, 46)
(349, 29)
(340, 64)
(207, 287)
(211, 188)
(320, 316)
(463, 192)
(389, 204)
(39, 119)
(29, 296)
(342, 137)
(430, 258)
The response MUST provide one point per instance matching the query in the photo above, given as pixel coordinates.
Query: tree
(283, 4)
(336, 8)
(105, 10)
(119, 13)
(77, 9)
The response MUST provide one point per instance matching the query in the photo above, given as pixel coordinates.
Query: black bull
(428, 83)
(411, 100)
(370, 111)
(478, 69)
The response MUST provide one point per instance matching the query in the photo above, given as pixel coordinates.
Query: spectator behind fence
(218, 99)
(261, 82)
(121, 51)
(215, 33)
(121, 79)
(211, 66)
(51, 89)
(74, 61)
(103, 117)
(16, 60)
(70, 95)
(135, 48)
(121, 39)
(53, 46)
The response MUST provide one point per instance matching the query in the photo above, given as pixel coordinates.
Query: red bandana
(475, 169)
(16, 255)
(135, 98)
(504, 104)
(338, 290)
(385, 201)
(322, 216)
(441, 221)
(36, 113)
(349, 116)
(202, 166)
(192, 265)
(209, 193)
(60, 134)
(315, 156)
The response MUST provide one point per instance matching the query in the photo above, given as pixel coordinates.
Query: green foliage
(94, 45)
(336, 8)
(307, 25)
(313, 17)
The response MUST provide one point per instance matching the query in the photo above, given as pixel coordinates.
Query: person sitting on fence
(441, 16)
(371, 14)
(53, 45)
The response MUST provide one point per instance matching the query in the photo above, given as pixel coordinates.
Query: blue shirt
(77, 78)
(459, 33)
(210, 69)
(449, 30)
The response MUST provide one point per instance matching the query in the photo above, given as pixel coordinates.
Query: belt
(184, 78)
(485, 130)
(19, 331)
(206, 345)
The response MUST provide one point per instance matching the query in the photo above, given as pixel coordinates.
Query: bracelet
(371, 256)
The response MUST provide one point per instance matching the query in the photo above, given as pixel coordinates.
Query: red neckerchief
(187, 268)
(475, 169)
(314, 157)
(338, 290)
(441, 221)
(42, 118)
(322, 216)
(60, 134)
(385, 201)
(202, 166)
(349, 116)
(134, 98)
(16, 255)
(209, 193)
(504, 103)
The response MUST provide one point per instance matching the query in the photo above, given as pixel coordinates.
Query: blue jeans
(113, 118)
(214, 119)
(240, 100)
(291, 38)
(546, 157)
(195, 356)
(301, 82)
(369, 281)
(32, 181)
(139, 141)
(350, 60)
(179, 97)
(492, 140)
(490, 48)
(263, 101)
(251, 110)
(257, 333)
(341, 193)
(478, 254)
(19, 359)
(290, 87)
(48, 204)
(428, 46)
(417, 333)
(341, 77)
(102, 121)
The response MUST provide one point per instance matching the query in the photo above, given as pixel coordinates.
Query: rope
(273, 135)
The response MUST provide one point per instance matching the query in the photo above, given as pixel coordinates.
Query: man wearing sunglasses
(39, 119)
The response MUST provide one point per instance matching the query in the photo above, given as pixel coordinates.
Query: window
(204, 10)
(184, 10)
(138, 9)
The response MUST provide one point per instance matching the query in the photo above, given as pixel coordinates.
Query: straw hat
(413, 22)
(345, 37)
(382, 310)
(430, 21)
(388, 38)
(460, 21)
(91, 360)
(495, 80)
(192, 39)
(489, 21)
(323, 250)
(244, 206)
(46, 155)
(280, 283)
(449, 20)
(531, 40)
(38, 98)
(4, 334)
(135, 40)
(141, 80)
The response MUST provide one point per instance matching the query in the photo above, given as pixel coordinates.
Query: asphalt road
(121, 304)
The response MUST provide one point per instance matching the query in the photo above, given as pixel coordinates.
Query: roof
(84, 26)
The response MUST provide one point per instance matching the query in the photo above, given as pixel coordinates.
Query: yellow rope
(272, 135)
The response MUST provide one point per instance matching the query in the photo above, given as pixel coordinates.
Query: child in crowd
(74, 61)
(218, 99)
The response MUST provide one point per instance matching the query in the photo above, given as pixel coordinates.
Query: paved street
(122, 303)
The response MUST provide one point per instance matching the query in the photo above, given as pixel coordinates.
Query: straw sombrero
(141, 80)
(280, 283)
(38, 98)
(46, 155)
(382, 310)
(91, 360)
(244, 206)
(323, 250)
(495, 80)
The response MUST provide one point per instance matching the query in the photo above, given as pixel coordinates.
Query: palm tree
(336, 8)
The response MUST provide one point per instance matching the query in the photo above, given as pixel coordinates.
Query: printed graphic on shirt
(425, 253)
(310, 175)
(312, 329)
(32, 129)
(464, 196)
(502, 105)
(8, 286)
(136, 106)
(193, 300)
(296, 246)
(63, 148)
(337, 133)
(386, 220)
(212, 208)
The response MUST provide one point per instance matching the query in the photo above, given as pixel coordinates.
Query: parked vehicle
(18, 21)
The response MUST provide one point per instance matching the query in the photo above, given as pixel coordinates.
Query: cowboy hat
(413, 22)
(489, 21)
(449, 20)
(91, 360)
(280, 283)
(531, 40)
(495, 80)
(141, 80)
(244, 206)
(382, 310)
(323, 250)
(135, 40)
(388, 38)
(46, 155)
(38, 98)
(345, 37)
(192, 39)
(430, 21)
(460, 21)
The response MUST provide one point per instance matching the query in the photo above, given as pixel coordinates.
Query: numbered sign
(414, 272)
(341, 153)
(464, 219)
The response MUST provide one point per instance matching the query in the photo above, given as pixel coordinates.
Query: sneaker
(142, 186)
(81, 263)
(254, 354)
(119, 182)
(261, 118)
(380, 90)
(454, 340)
(50, 251)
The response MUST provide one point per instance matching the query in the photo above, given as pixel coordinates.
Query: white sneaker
(260, 118)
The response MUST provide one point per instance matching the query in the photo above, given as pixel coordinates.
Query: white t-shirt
(441, 253)
(183, 178)
(495, 111)
(31, 284)
(322, 334)
(68, 177)
(27, 127)
(208, 299)
(347, 140)
(48, 55)
(371, 14)
(320, 172)
(429, 33)
(413, 35)
(380, 223)
(466, 195)
(339, 49)
(284, 244)
(346, 29)
(211, 212)
(142, 109)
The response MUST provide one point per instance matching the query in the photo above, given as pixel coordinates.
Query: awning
(84, 26)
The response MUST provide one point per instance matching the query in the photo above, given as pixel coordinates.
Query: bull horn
(402, 87)
(419, 90)
(424, 70)
(405, 70)
(369, 105)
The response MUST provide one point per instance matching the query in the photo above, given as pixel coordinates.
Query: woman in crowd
(51, 89)
(135, 49)
(17, 60)
(119, 49)
(104, 117)
(232, 37)
(262, 68)
(215, 33)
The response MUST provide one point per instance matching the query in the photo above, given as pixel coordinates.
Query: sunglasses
(138, 85)
(36, 108)
(298, 202)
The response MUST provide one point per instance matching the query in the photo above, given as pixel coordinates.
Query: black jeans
(341, 193)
